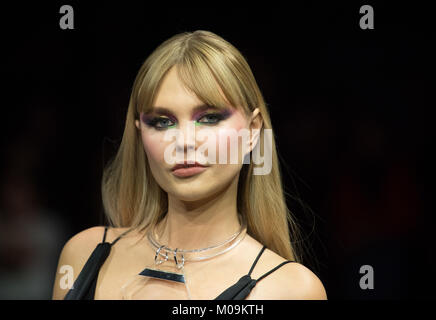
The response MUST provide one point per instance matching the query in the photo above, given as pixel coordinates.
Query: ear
(256, 123)
(137, 124)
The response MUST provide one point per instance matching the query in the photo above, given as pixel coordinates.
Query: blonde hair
(207, 64)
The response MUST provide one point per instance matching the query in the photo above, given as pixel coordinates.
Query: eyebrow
(197, 109)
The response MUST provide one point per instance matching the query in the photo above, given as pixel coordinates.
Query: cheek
(153, 146)
(229, 139)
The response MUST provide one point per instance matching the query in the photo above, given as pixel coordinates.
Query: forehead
(173, 93)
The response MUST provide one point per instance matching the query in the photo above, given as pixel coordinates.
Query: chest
(205, 280)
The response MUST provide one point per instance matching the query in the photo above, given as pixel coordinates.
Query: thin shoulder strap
(269, 272)
(257, 259)
(241, 289)
(119, 237)
(104, 236)
(274, 269)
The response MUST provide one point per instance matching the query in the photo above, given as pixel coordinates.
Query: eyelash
(154, 121)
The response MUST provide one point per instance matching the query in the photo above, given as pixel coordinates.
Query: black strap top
(84, 286)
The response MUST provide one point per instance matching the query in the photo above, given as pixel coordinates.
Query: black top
(84, 286)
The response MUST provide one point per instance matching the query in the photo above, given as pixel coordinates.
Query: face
(177, 108)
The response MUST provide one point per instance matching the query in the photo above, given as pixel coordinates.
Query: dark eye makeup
(158, 122)
(162, 122)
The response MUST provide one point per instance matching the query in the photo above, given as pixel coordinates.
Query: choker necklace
(167, 278)
(198, 254)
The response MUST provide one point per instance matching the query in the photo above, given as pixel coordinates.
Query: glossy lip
(186, 164)
(187, 172)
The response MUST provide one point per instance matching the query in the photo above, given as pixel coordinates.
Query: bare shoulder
(299, 283)
(81, 245)
(73, 257)
(291, 281)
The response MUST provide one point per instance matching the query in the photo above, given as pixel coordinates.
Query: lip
(187, 170)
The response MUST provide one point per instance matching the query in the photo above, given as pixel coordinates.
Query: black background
(351, 110)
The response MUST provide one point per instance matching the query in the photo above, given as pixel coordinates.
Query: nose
(185, 139)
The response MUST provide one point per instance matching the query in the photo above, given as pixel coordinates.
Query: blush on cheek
(154, 147)
(231, 140)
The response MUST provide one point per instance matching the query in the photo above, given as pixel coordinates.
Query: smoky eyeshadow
(152, 118)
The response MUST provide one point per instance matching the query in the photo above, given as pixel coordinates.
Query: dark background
(351, 110)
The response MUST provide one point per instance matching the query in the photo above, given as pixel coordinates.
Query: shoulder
(81, 245)
(74, 255)
(299, 283)
(291, 281)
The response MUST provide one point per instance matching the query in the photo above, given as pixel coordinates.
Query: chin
(189, 196)
(193, 190)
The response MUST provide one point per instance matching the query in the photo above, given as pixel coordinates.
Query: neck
(199, 224)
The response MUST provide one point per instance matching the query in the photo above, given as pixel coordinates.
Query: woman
(182, 230)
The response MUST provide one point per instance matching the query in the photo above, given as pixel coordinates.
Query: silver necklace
(163, 278)
(196, 254)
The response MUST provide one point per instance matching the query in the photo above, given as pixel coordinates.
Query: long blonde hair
(205, 63)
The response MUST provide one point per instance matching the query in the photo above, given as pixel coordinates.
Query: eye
(160, 123)
(211, 118)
